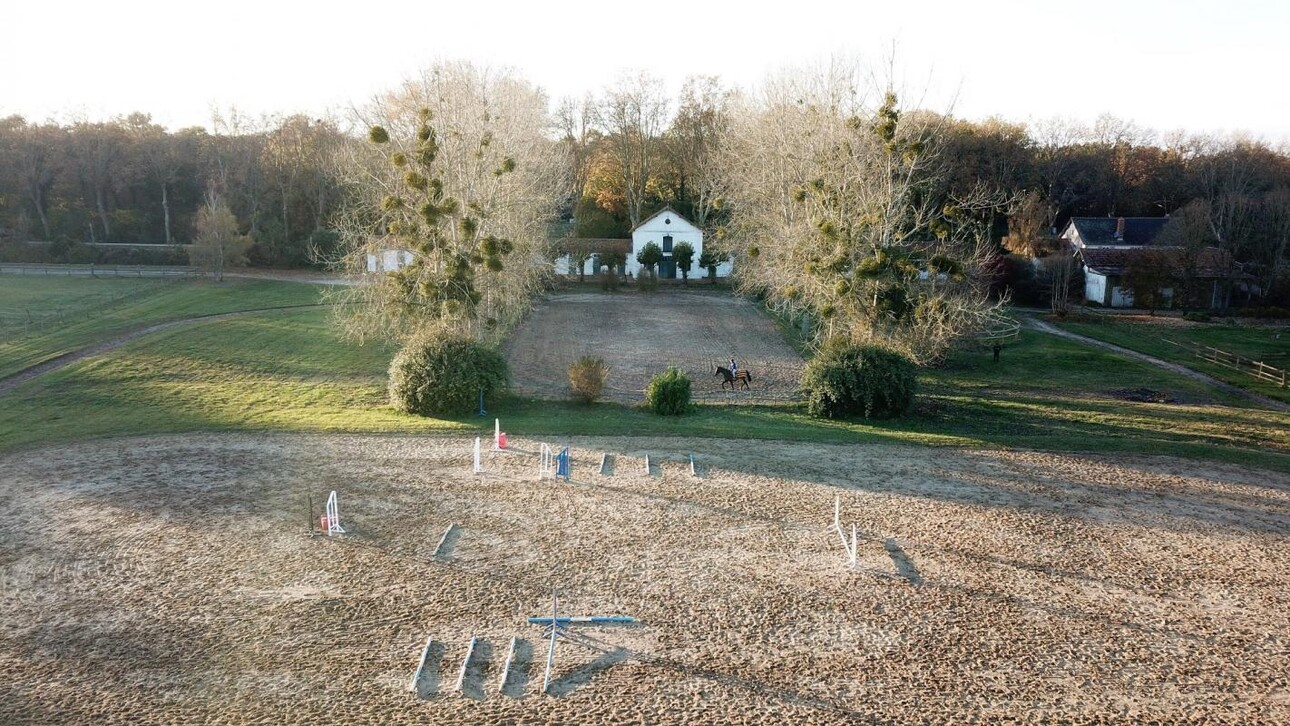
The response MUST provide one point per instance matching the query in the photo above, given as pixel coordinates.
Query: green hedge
(436, 375)
(668, 393)
(846, 381)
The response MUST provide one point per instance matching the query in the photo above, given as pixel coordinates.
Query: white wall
(1121, 297)
(388, 260)
(1094, 286)
(668, 222)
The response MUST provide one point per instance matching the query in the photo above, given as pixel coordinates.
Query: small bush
(669, 393)
(443, 375)
(845, 380)
(1196, 317)
(587, 377)
(1268, 312)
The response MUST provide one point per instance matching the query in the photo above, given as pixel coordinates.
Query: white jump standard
(479, 468)
(331, 520)
(546, 463)
(850, 547)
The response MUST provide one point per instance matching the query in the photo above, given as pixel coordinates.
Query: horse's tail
(749, 374)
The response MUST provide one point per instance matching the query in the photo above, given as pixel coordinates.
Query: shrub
(587, 377)
(669, 393)
(846, 380)
(444, 375)
(1196, 317)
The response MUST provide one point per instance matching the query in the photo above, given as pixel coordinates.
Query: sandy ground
(171, 580)
(639, 335)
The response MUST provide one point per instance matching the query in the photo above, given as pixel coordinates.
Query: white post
(425, 652)
(497, 434)
(647, 465)
(853, 545)
(603, 458)
(333, 515)
(479, 468)
(692, 472)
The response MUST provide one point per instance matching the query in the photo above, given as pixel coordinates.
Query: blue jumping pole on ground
(482, 412)
(562, 464)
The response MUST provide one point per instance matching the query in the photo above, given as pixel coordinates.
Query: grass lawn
(1248, 341)
(288, 371)
(81, 311)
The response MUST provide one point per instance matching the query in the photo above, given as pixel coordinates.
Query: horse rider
(734, 367)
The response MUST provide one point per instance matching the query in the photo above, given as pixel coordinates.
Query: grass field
(78, 311)
(288, 371)
(1150, 336)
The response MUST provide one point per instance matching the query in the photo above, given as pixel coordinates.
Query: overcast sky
(1178, 64)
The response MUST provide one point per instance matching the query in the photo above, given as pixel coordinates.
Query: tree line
(129, 180)
(632, 149)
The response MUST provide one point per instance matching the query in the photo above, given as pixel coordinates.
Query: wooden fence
(1255, 368)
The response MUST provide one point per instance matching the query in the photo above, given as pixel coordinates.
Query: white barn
(388, 260)
(667, 229)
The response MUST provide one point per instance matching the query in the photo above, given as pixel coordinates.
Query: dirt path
(11, 382)
(1173, 367)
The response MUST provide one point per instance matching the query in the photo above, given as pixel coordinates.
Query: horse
(741, 376)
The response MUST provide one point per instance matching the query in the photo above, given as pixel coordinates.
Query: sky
(1168, 65)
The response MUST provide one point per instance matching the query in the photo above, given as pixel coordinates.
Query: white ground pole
(479, 468)
(333, 515)
(603, 459)
(421, 664)
(853, 545)
(647, 465)
(506, 668)
(546, 465)
(497, 434)
(692, 472)
(443, 539)
(465, 664)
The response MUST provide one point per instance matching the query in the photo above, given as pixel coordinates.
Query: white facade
(668, 229)
(1094, 286)
(388, 260)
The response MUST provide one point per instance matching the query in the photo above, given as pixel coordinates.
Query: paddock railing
(1255, 368)
(23, 268)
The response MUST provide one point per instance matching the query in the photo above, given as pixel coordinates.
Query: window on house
(667, 243)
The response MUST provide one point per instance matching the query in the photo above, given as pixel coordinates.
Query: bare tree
(693, 141)
(98, 148)
(463, 176)
(634, 114)
(217, 243)
(35, 153)
(832, 212)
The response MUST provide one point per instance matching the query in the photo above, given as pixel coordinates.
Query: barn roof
(1212, 262)
(1101, 230)
(665, 210)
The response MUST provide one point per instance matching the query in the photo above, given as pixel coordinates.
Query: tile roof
(592, 245)
(1213, 262)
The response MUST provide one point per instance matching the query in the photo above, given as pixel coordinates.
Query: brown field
(640, 335)
(171, 580)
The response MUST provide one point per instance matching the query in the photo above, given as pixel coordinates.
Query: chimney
(1119, 229)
